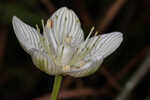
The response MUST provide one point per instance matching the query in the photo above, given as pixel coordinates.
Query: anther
(68, 39)
(81, 63)
(66, 68)
(49, 23)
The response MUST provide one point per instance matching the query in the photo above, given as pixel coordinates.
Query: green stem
(56, 87)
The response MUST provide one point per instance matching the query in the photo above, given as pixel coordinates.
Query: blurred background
(124, 75)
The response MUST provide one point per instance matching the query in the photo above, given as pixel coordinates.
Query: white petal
(87, 69)
(27, 35)
(107, 44)
(44, 62)
(66, 23)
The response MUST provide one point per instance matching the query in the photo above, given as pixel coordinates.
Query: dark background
(123, 74)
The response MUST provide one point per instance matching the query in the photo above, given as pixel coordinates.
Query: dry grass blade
(110, 14)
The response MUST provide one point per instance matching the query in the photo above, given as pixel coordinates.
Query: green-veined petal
(28, 37)
(65, 24)
(44, 62)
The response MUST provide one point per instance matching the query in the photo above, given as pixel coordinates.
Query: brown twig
(48, 4)
(110, 14)
(3, 38)
(85, 17)
(66, 82)
(133, 62)
(111, 80)
(126, 69)
(134, 80)
(82, 92)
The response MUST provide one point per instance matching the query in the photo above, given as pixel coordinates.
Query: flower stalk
(56, 87)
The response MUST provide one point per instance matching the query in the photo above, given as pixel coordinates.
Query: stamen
(45, 44)
(86, 41)
(78, 56)
(73, 56)
(37, 27)
(94, 44)
(96, 33)
(86, 50)
(91, 31)
(42, 21)
(84, 53)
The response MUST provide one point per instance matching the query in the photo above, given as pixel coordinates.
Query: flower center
(68, 40)
(67, 54)
(66, 68)
(64, 54)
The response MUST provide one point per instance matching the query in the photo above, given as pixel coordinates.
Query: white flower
(61, 49)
